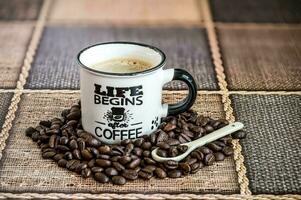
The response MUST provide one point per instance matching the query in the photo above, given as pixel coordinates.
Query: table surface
(244, 55)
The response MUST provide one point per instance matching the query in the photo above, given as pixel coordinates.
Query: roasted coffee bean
(72, 123)
(219, 156)
(145, 175)
(52, 141)
(149, 168)
(47, 150)
(205, 150)
(44, 146)
(125, 142)
(133, 164)
(62, 148)
(226, 140)
(45, 123)
(73, 115)
(124, 160)
(29, 131)
(138, 142)
(173, 142)
(128, 149)
(191, 161)
(70, 163)
(73, 144)
(115, 158)
(104, 156)
(94, 151)
(171, 134)
(101, 177)
(103, 162)
(162, 137)
(91, 163)
(87, 155)
(130, 174)
(146, 145)
(75, 165)
(117, 151)
(55, 126)
(182, 148)
(68, 155)
(163, 145)
(105, 149)
(209, 159)
(118, 166)
(173, 151)
(118, 180)
(111, 171)
(197, 154)
(185, 167)
(153, 138)
(150, 161)
(57, 141)
(162, 153)
(188, 133)
(195, 167)
(146, 153)
(64, 140)
(48, 154)
(35, 136)
(137, 151)
(184, 138)
(58, 157)
(160, 173)
(86, 173)
(76, 154)
(170, 164)
(81, 144)
(96, 169)
(44, 138)
(169, 127)
(214, 147)
(174, 173)
(92, 142)
(52, 132)
(239, 135)
(215, 124)
(62, 163)
(219, 143)
(227, 150)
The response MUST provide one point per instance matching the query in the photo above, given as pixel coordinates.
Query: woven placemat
(19, 10)
(287, 11)
(22, 168)
(55, 66)
(4, 104)
(14, 38)
(261, 59)
(126, 11)
(272, 149)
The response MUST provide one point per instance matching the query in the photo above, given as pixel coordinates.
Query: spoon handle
(216, 135)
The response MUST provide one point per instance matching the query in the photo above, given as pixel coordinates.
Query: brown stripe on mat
(55, 66)
(4, 104)
(23, 170)
(19, 10)
(14, 38)
(272, 148)
(261, 59)
(126, 11)
(287, 11)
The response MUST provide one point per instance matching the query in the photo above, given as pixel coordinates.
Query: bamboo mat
(244, 55)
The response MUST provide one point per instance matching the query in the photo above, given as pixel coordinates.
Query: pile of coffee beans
(64, 141)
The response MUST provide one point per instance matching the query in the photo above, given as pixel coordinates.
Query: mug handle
(182, 106)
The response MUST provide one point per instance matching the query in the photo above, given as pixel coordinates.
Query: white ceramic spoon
(226, 130)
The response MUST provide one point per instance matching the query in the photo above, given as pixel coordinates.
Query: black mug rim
(161, 64)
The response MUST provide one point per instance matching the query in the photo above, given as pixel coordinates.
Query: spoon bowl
(226, 130)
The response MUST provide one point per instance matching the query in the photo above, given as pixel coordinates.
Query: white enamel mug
(119, 106)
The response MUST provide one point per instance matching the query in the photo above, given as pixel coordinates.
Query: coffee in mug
(122, 65)
(121, 90)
